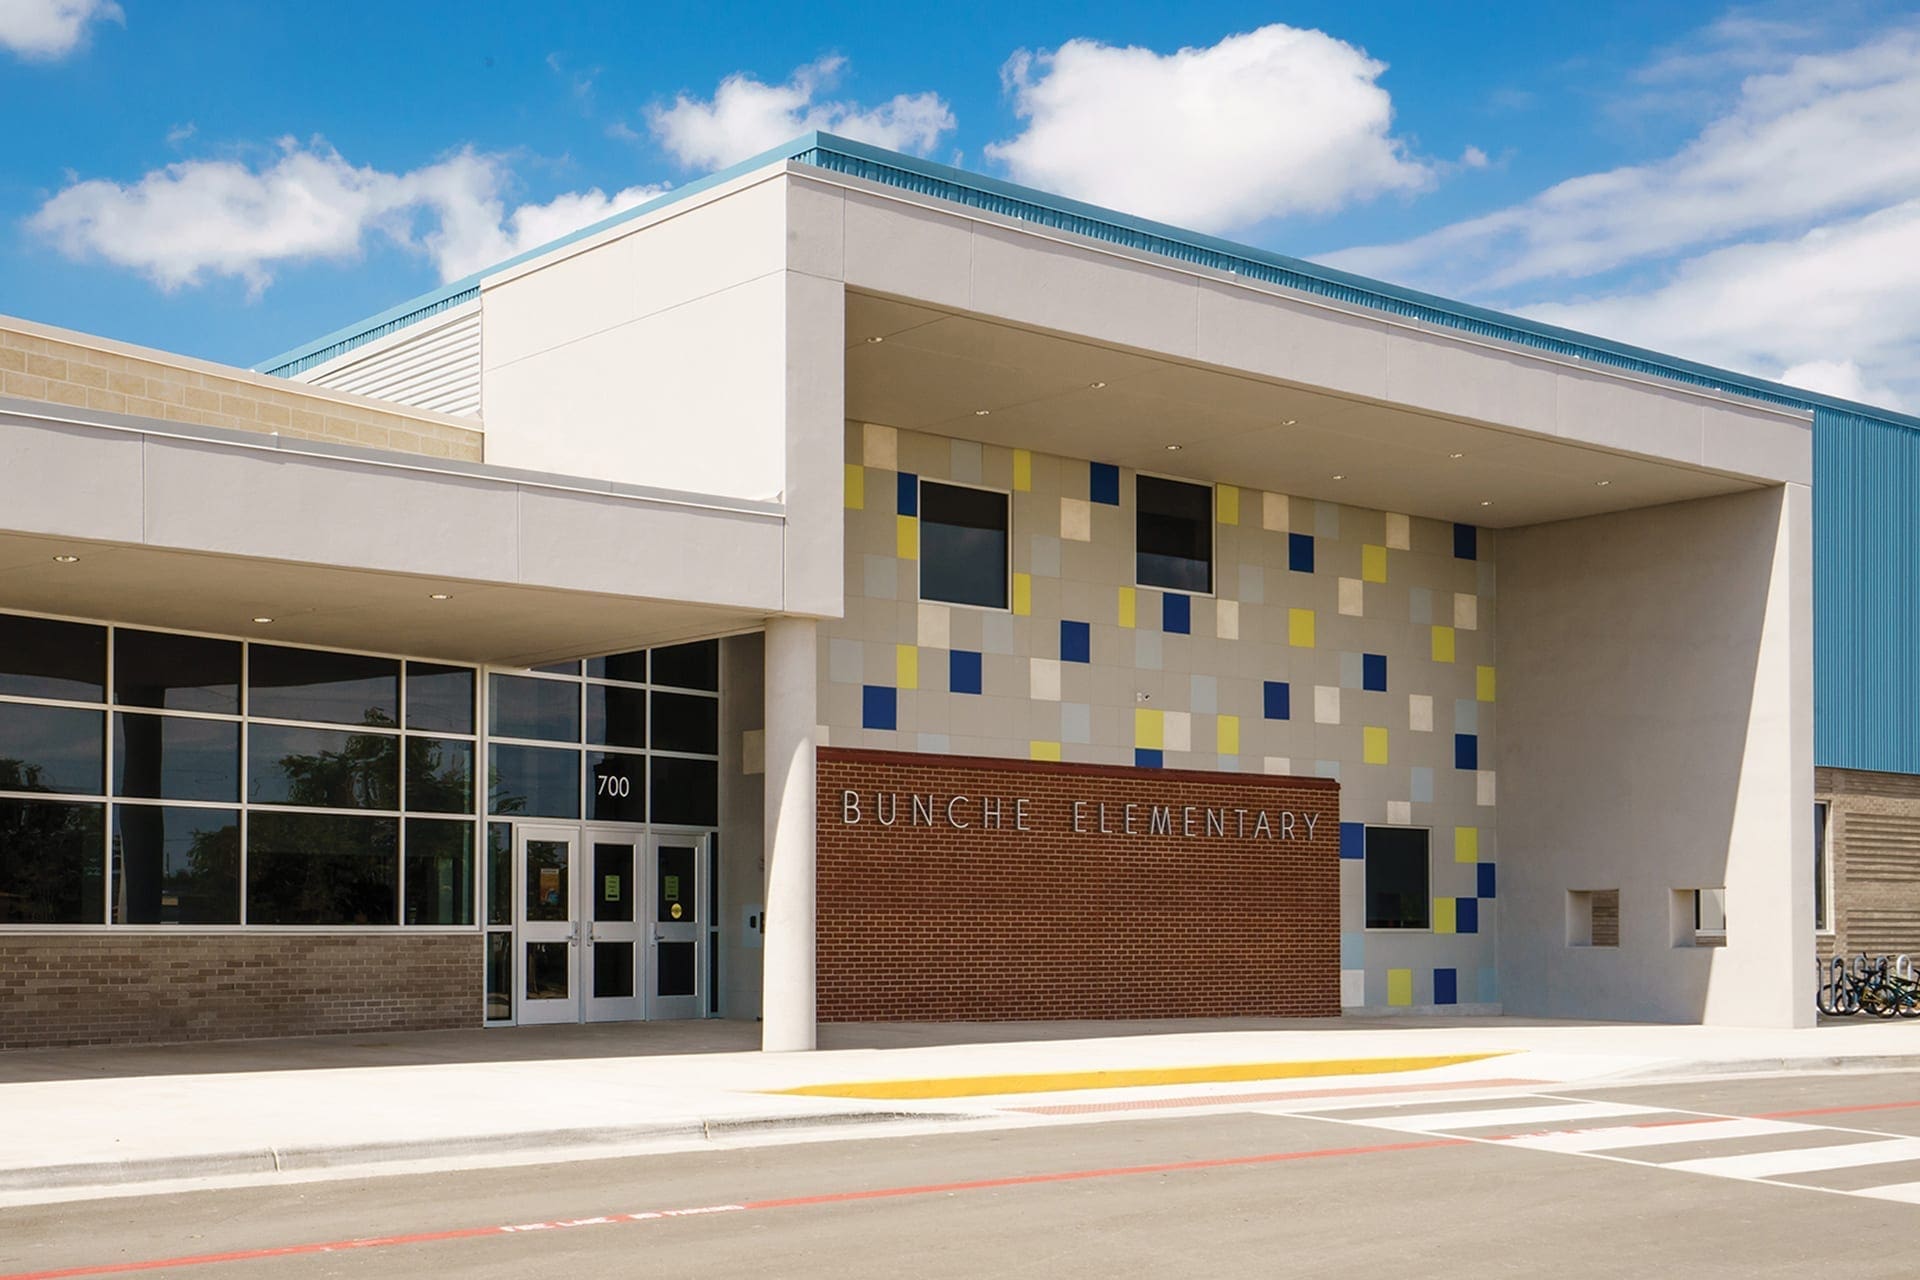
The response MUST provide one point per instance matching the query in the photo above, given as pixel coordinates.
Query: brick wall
(923, 921)
(146, 989)
(1873, 842)
(61, 367)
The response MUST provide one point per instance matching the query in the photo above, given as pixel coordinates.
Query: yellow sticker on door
(675, 911)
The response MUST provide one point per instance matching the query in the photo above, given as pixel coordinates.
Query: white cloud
(51, 28)
(745, 117)
(1829, 134)
(201, 219)
(1274, 121)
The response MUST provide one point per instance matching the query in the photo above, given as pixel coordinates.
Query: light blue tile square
(1485, 579)
(845, 662)
(1326, 520)
(966, 461)
(938, 743)
(1227, 764)
(1489, 985)
(1147, 650)
(1420, 606)
(1076, 722)
(1466, 715)
(996, 632)
(1045, 559)
(1327, 769)
(1353, 950)
(882, 577)
(1352, 671)
(1203, 695)
(1253, 584)
(1420, 786)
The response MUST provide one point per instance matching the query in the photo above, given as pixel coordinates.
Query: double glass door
(612, 924)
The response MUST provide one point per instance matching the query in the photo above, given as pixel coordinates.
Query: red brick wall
(925, 922)
(69, 989)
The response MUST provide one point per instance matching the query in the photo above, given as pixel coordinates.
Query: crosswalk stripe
(1769, 1164)
(1580, 1141)
(1906, 1192)
(1508, 1117)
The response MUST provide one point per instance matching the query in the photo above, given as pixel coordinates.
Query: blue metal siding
(1866, 602)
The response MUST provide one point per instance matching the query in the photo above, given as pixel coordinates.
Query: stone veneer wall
(1340, 642)
(59, 367)
(148, 988)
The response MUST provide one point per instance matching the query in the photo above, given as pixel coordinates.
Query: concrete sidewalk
(83, 1121)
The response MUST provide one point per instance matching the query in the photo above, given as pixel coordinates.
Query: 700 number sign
(614, 785)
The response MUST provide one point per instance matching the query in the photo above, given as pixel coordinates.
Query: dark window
(686, 722)
(59, 749)
(42, 658)
(322, 768)
(326, 869)
(439, 775)
(616, 787)
(499, 977)
(175, 758)
(676, 897)
(1173, 538)
(1398, 877)
(613, 886)
(176, 673)
(312, 684)
(533, 782)
(688, 666)
(686, 792)
(963, 545)
(1820, 867)
(522, 707)
(439, 699)
(439, 872)
(52, 868)
(175, 866)
(631, 667)
(559, 668)
(616, 717)
(499, 873)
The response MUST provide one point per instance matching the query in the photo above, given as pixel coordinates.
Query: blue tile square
(1466, 915)
(1145, 758)
(1373, 672)
(1465, 542)
(1279, 698)
(1353, 950)
(909, 494)
(879, 707)
(1485, 887)
(1300, 552)
(1176, 613)
(963, 671)
(1466, 751)
(1353, 839)
(1076, 642)
(1446, 986)
(1103, 483)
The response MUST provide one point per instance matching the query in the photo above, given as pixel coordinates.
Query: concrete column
(787, 1009)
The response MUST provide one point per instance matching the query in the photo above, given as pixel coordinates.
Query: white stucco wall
(1657, 736)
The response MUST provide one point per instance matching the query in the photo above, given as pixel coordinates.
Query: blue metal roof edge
(320, 350)
(959, 186)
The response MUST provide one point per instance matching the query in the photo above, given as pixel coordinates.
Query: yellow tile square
(1483, 683)
(1127, 601)
(1227, 733)
(1373, 564)
(1226, 504)
(906, 666)
(1443, 644)
(1023, 476)
(1300, 628)
(907, 537)
(1466, 844)
(1443, 915)
(1023, 594)
(1400, 987)
(856, 487)
(1149, 729)
(1043, 751)
(1373, 745)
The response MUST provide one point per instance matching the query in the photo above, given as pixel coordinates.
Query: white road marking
(1771, 1164)
(1507, 1117)
(1584, 1141)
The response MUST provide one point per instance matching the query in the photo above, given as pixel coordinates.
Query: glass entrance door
(614, 920)
(544, 873)
(677, 908)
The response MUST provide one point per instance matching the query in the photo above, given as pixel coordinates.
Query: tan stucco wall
(58, 366)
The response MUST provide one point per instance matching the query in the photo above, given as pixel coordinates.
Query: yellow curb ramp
(1062, 1081)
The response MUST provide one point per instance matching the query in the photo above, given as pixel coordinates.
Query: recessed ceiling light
(1456, 455)
(876, 338)
(66, 559)
(1486, 502)
(439, 595)
(1289, 422)
(1175, 448)
(1340, 476)
(1095, 386)
(1603, 483)
(981, 413)
(263, 619)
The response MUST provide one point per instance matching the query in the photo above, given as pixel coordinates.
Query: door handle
(573, 935)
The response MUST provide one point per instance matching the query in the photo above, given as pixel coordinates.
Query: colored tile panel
(1353, 950)
(1466, 751)
(1373, 745)
(1485, 876)
(1300, 552)
(1076, 642)
(963, 671)
(1144, 758)
(1226, 504)
(1466, 542)
(909, 493)
(906, 537)
(1373, 564)
(1227, 735)
(906, 666)
(879, 707)
(1128, 606)
(1300, 628)
(1443, 915)
(1277, 699)
(1043, 751)
(1023, 594)
(1353, 840)
(1443, 644)
(1446, 986)
(1483, 683)
(1467, 914)
(1149, 728)
(1176, 613)
(1373, 672)
(856, 487)
(1466, 844)
(1400, 987)
(1023, 470)
(1103, 483)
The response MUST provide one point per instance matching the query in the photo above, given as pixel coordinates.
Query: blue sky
(1740, 185)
